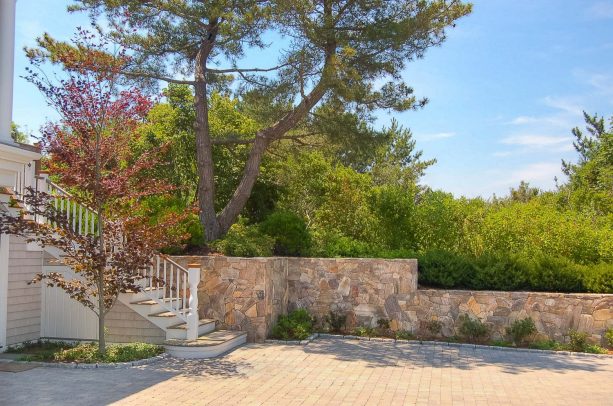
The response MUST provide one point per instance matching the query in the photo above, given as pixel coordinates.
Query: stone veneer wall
(246, 294)
(553, 313)
(249, 294)
(359, 288)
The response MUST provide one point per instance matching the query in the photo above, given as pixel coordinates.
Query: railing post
(193, 278)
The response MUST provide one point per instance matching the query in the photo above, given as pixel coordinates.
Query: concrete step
(179, 331)
(207, 346)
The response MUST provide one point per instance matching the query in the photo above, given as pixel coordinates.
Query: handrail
(164, 280)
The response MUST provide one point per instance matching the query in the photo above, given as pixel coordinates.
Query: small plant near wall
(404, 335)
(383, 328)
(578, 341)
(521, 331)
(365, 331)
(297, 325)
(336, 322)
(608, 336)
(473, 330)
(434, 327)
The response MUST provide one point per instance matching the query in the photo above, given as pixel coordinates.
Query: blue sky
(505, 89)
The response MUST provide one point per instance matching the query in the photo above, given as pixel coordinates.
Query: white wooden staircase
(169, 292)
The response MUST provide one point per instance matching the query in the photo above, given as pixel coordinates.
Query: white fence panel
(63, 317)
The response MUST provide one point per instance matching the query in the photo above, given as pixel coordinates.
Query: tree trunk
(262, 140)
(101, 313)
(206, 172)
(204, 146)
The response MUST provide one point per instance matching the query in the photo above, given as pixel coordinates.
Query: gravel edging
(112, 365)
(457, 345)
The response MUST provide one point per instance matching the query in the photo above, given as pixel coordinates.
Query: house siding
(24, 301)
(124, 325)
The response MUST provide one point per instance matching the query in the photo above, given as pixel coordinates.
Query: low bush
(546, 345)
(364, 332)
(434, 327)
(577, 340)
(443, 269)
(336, 322)
(404, 335)
(521, 331)
(609, 337)
(290, 233)
(473, 330)
(243, 240)
(87, 353)
(496, 271)
(297, 325)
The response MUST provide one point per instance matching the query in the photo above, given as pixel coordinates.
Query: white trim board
(4, 281)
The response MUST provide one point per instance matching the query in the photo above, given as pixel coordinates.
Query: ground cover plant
(87, 353)
(297, 325)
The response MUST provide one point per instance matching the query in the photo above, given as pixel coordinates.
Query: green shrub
(336, 322)
(445, 270)
(404, 335)
(473, 330)
(598, 278)
(289, 232)
(297, 325)
(548, 273)
(244, 240)
(434, 327)
(497, 271)
(577, 341)
(364, 332)
(521, 330)
(500, 272)
(609, 337)
(87, 353)
(546, 345)
(383, 323)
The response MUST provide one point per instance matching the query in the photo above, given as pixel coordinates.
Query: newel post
(193, 278)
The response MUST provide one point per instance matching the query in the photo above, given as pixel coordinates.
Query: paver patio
(329, 371)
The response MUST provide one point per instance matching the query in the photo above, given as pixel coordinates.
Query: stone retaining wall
(553, 313)
(249, 294)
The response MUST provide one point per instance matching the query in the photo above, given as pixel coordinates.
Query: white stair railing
(166, 282)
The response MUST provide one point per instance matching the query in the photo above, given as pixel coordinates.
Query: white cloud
(437, 136)
(500, 154)
(600, 10)
(539, 174)
(535, 140)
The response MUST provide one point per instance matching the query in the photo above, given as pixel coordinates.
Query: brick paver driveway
(332, 372)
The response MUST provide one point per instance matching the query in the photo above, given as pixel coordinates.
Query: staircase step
(179, 331)
(153, 302)
(167, 313)
(183, 326)
(209, 345)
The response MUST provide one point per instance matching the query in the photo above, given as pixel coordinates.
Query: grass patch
(85, 353)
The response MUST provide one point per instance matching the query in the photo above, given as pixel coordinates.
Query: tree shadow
(413, 354)
(210, 367)
(107, 385)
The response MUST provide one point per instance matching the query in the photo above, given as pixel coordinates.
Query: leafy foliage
(87, 353)
(291, 235)
(472, 329)
(521, 330)
(245, 240)
(297, 325)
(88, 152)
(609, 337)
(336, 322)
